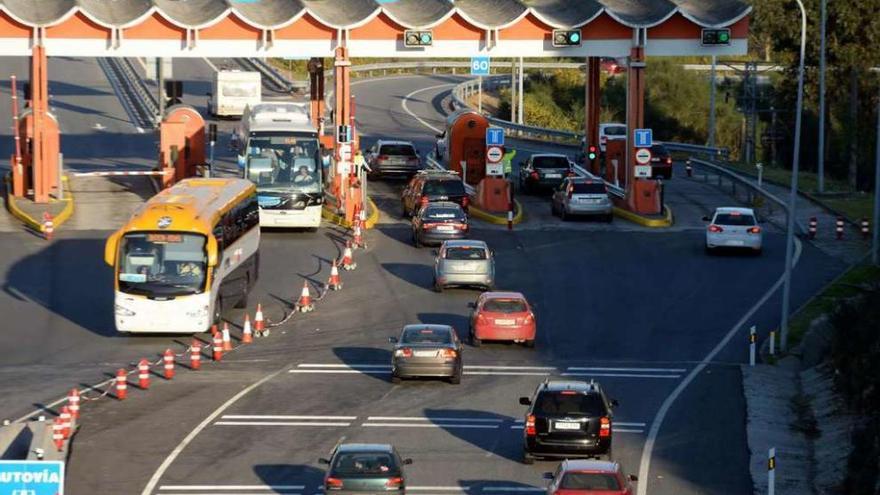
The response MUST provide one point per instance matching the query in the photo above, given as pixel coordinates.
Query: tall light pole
(875, 238)
(821, 151)
(792, 198)
(712, 103)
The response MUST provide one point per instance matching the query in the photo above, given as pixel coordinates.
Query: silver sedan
(464, 263)
(582, 196)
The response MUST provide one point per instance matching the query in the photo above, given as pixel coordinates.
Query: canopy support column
(591, 117)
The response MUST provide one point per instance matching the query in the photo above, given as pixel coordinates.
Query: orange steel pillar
(15, 163)
(591, 117)
(40, 134)
(635, 117)
(316, 90)
(342, 116)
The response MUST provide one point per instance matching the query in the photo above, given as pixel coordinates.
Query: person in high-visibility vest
(507, 161)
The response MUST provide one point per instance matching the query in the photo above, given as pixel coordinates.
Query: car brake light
(604, 427)
(669, 161)
(715, 228)
(530, 318)
(394, 482)
(530, 425)
(568, 392)
(382, 158)
(333, 483)
(534, 175)
(423, 200)
(405, 352)
(755, 230)
(429, 226)
(448, 353)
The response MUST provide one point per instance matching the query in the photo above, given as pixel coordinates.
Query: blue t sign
(494, 136)
(643, 138)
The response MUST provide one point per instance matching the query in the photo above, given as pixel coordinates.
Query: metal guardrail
(132, 90)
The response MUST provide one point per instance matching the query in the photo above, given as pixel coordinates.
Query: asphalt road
(633, 309)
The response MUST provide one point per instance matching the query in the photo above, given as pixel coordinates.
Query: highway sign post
(31, 478)
(643, 138)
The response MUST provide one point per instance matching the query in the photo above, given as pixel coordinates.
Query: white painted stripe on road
(648, 449)
(343, 366)
(422, 418)
(154, 480)
(278, 423)
(513, 489)
(646, 370)
(507, 373)
(489, 367)
(433, 425)
(283, 416)
(361, 372)
(211, 64)
(621, 375)
(230, 487)
(406, 109)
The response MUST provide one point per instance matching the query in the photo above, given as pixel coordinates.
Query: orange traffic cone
(121, 384)
(168, 362)
(304, 305)
(334, 283)
(73, 403)
(227, 338)
(247, 336)
(143, 374)
(348, 263)
(57, 434)
(259, 324)
(48, 225)
(65, 422)
(217, 347)
(357, 236)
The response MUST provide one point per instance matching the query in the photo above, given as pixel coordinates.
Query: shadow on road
(281, 478)
(417, 274)
(472, 425)
(370, 361)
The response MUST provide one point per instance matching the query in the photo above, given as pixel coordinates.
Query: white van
(232, 91)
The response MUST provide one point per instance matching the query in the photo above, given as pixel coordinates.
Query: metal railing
(132, 90)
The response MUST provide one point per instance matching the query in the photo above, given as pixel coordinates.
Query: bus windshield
(162, 264)
(284, 162)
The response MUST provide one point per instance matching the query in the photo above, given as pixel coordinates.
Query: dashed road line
(297, 489)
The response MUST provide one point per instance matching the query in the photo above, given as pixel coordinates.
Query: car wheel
(528, 458)
(394, 378)
(530, 344)
(609, 456)
(456, 378)
(437, 287)
(475, 341)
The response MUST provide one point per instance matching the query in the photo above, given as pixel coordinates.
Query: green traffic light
(426, 38)
(574, 37)
(723, 37)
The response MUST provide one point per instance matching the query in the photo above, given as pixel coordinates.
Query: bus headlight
(121, 311)
(198, 313)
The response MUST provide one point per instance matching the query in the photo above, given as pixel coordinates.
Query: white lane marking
(284, 416)
(508, 373)
(490, 367)
(513, 489)
(211, 64)
(439, 488)
(343, 366)
(621, 375)
(648, 449)
(413, 115)
(359, 371)
(278, 423)
(670, 370)
(230, 487)
(422, 418)
(433, 425)
(154, 480)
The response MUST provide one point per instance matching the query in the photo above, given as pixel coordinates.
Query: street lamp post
(874, 236)
(821, 151)
(792, 199)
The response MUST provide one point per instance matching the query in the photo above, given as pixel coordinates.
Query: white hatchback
(733, 227)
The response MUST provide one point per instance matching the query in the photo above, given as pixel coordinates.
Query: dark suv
(433, 185)
(567, 419)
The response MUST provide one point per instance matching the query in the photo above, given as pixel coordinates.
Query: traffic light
(412, 39)
(343, 134)
(592, 152)
(566, 37)
(715, 37)
(173, 92)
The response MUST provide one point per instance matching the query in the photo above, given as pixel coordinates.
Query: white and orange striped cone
(247, 335)
(348, 263)
(357, 238)
(334, 283)
(195, 355)
(73, 403)
(143, 374)
(168, 362)
(304, 305)
(65, 422)
(259, 324)
(57, 434)
(48, 225)
(362, 216)
(227, 338)
(217, 347)
(121, 384)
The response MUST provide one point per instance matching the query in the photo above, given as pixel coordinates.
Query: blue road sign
(494, 136)
(31, 478)
(643, 138)
(480, 66)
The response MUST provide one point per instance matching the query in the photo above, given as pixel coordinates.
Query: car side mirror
(407, 461)
(492, 252)
(615, 403)
(472, 305)
(633, 477)
(525, 401)
(547, 476)
(392, 340)
(706, 219)
(324, 461)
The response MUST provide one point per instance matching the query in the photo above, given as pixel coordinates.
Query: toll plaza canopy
(368, 28)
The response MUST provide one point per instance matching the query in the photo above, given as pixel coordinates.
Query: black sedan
(426, 350)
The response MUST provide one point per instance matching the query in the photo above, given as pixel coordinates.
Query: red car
(583, 477)
(502, 316)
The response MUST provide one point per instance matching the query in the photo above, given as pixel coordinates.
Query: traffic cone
(73, 403)
(65, 422)
(195, 355)
(304, 305)
(348, 263)
(813, 227)
(168, 359)
(48, 225)
(357, 237)
(227, 338)
(214, 329)
(57, 435)
(334, 283)
(144, 374)
(247, 336)
(259, 324)
(838, 228)
(218, 347)
(121, 384)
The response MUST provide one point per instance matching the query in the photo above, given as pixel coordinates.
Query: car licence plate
(425, 353)
(735, 243)
(553, 176)
(446, 228)
(560, 425)
(505, 322)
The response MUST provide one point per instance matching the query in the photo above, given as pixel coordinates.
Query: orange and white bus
(185, 255)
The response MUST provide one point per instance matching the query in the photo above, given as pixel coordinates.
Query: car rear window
(659, 149)
(397, 149)
(618, 130)
(426, 336)
(451, 187)
(734, 219)
(366, 463)
(504, 305)
(573, 404)
(435, 213)
(550, 162)
(465, 253)
(589, 481)
(589, 188)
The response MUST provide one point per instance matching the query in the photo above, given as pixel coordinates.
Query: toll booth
(464, 140)
(181, 143)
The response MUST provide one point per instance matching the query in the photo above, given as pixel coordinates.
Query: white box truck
(232, 91)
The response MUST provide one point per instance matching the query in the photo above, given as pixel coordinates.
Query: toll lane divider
(666, 221)
(33, 223)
